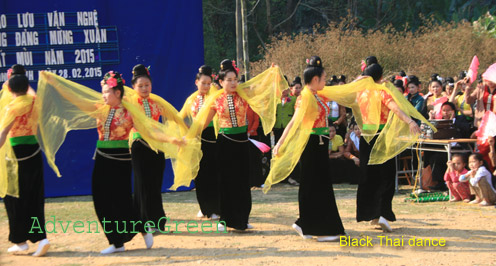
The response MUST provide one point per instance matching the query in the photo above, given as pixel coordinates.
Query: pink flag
(490, 73)
(487, 127)
(260, 145)
(364, 65)
(472, 71)
(437, 106)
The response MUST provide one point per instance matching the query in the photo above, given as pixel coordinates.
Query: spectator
(480, 180)
(458, 190)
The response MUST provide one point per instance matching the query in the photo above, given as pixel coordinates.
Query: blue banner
(82, 40)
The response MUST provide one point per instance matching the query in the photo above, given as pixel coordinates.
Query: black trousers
(376, 186)
(27, 212)
(148, 167)
(112, 195)
(207, 180)
(319, 214)
(235, 192)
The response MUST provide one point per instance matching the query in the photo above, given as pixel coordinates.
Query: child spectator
(480, 181)
(459, 190)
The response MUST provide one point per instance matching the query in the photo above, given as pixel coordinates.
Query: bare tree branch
(288, 18)
(220, 11)
(324, 15)
(253, 9)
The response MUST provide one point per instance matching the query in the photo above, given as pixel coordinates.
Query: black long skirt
(235, 192)
(207, 180)
(319, 214)
(112, 195)
(376, 186)
(148, 168)
(27, 213)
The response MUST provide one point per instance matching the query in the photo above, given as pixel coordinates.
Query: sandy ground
(469, 232)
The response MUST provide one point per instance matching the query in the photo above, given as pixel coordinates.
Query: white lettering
(95, 36)
(24, 58)
(2, 60)
(56, 19)
(61, 37)
(53, 57)
(87, 18)
(3, 39)
(25, 20)
(3, 21)
(26, 38)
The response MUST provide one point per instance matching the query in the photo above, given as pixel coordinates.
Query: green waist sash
(31, 139)
(112, 144)
(233, 130)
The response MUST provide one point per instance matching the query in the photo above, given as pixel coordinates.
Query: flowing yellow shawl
(11, 108)
(65, 105)
(262, 93)
(392, 140)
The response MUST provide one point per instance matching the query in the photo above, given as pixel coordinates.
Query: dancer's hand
(179, 142)
(275, 150)
(414, 128)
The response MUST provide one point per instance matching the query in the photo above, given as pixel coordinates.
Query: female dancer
(23, 187)
(365, 97)
(319, 214)
(230, 105)
(78, 107)
(148, 164)
(207, 181)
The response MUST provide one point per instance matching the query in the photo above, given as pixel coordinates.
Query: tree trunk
(239, 35)
(246, 58)
(269, 23)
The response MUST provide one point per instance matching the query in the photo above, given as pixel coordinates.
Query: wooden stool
(406, 172)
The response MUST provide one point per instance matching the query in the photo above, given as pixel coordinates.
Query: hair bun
(314, 61)
(18, 69)
(205, 70)
(226, 64)
(342, 78)
(114, 79)
(371, 60)
(140, 70)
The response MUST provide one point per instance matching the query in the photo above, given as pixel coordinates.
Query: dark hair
(18, 69)
(462, 74)
(480, 158)
(314, 68)
(118, 77)
(19, 84)
(333, 81)
(402, 73)
(140, 71)
(342, 78)
(374, 70)
(448, 81)
(436, 80)
(452, 105)
(399, 84)
(413, 80)
(226, 66)
(297, 80)
(333, 125)
(371, 60)
(461, 155)
(204, 70)
(477, 156)
(242, 79)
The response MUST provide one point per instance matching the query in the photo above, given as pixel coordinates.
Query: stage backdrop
(82, 40)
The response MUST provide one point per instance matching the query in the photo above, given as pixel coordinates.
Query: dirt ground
(469, 233)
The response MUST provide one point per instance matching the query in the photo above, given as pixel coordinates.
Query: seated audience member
(352, 150)
(480, 181)
(336, 159)
(414, 96)
(458, 190)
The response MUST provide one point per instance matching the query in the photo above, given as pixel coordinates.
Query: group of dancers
(206, 141)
